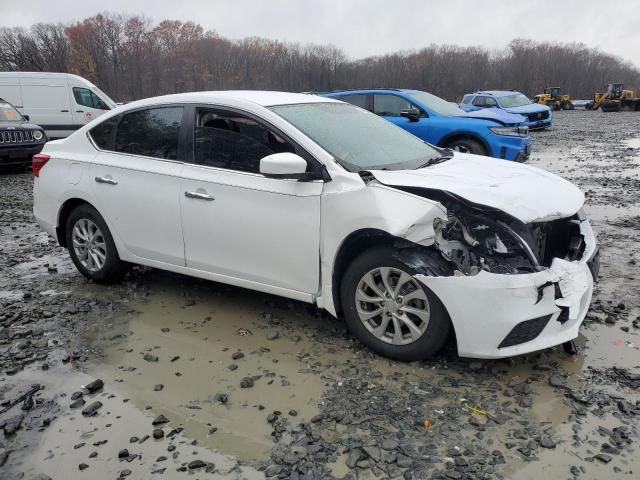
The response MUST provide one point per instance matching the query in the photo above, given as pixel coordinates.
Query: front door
(390, 107)
(136, 181)
(248, 229)
(86, 105)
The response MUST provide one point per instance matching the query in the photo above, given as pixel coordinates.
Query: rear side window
(467, 99)
(479, 101)
(357, 100)
(150, 133)
(87, 98)
(390, 105)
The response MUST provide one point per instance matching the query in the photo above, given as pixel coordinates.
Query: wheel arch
(63, 214)
(356, 242)
(465, 135)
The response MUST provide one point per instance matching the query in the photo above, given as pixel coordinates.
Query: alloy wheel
(392, 306)
(89, 244)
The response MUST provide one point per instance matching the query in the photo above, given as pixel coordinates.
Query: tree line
(130, 57)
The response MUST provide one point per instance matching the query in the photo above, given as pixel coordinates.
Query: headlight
(37, 135)
(511, 131)
(473, 243)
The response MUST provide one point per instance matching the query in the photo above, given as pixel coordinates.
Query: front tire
(467, 145)
(389, 311)
(91, 246)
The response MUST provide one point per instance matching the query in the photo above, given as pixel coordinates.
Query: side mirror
(413, 114)
(286, 166)
(26, 117)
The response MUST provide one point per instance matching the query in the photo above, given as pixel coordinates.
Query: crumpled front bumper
(485, 308)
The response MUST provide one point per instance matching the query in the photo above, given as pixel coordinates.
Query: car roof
(497, 93)
(263, 98)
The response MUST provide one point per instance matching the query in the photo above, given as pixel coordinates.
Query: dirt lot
(212, 381)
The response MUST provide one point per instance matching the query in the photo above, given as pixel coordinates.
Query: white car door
(136, 182)
(247, 229)
(87, 105)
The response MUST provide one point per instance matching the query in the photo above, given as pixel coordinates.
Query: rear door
(46, 101)
(136, 179)
(390, 107)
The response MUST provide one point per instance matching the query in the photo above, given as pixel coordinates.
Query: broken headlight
(473, 243)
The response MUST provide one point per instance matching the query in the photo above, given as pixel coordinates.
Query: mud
(302, 399)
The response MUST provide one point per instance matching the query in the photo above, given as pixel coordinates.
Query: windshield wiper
(447, 155)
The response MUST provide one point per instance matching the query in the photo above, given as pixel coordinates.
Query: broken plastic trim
(476, 237)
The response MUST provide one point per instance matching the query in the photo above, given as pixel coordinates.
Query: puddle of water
(53, 451)
(633, 143)
(204, 336)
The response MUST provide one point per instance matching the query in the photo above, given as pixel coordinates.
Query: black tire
(467, 145)
(439, 326)
(113, 269)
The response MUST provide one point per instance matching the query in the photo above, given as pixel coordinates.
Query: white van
(58, 102)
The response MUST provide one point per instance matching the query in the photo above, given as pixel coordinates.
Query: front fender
(371, 207)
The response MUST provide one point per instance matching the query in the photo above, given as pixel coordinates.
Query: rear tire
(91, 246)
(467, 145)
(412, 303)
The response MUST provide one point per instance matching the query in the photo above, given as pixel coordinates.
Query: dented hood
(526, 193)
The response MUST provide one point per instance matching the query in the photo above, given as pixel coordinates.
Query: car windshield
(359, 140)
(8, 113)
(516, 100)
(436, 104)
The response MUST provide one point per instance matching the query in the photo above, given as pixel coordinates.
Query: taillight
(37, 162)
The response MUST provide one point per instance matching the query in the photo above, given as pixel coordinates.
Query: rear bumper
(497, 316)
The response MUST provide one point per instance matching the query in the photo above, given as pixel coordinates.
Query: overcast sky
(370, 27)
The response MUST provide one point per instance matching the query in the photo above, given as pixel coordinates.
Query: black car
(19, 139)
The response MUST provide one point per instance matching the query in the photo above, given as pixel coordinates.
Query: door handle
(64, 111)
(199, 196)
(79, 111)
(107, 180)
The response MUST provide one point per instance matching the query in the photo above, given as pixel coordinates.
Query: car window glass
(151, 133)
(104, 134)
(490, 102)
(390, 105)
(467, 99)
(87, 98)
(8, 113)
(479, 101)
(357, 100)
(233, 141)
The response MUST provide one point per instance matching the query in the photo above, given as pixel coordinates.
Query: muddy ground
(202, 380)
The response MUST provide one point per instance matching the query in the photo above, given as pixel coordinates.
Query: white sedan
(323, 202)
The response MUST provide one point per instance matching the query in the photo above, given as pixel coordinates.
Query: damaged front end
(475, 238)
(512, 287)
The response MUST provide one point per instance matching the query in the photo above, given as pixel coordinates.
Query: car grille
(15, 136)
(538, 116)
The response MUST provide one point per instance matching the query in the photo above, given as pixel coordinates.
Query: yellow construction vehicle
(553, 98)
(615, 99)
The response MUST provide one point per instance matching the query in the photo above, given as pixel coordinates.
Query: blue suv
(538, 116)
(434, 120)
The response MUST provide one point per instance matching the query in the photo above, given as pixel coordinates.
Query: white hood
(526, 193)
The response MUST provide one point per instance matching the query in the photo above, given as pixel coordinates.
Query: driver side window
(390, 105)
(87, 98)
(233, 141)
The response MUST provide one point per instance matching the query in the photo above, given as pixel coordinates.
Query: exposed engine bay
(475, 238)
